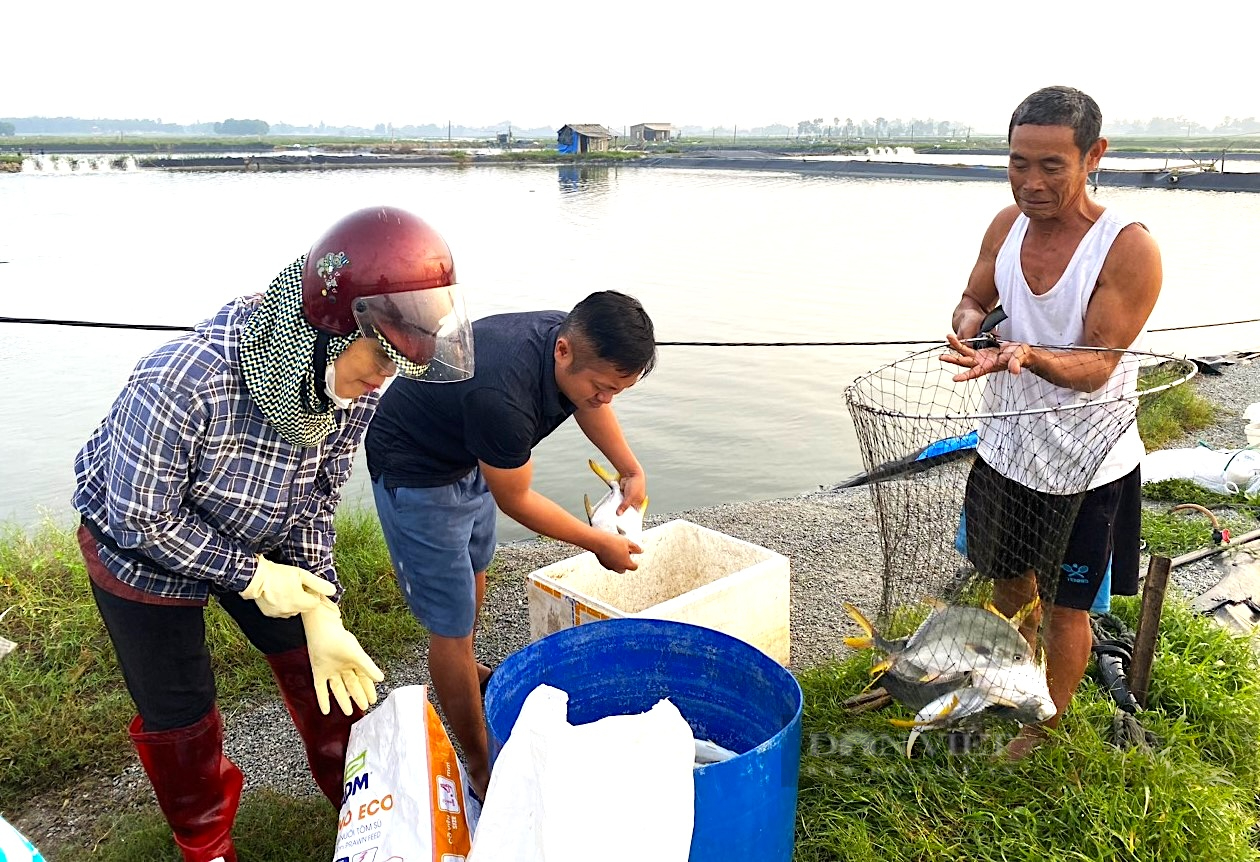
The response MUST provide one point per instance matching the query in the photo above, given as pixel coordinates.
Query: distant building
(652, 132)
(583, 138)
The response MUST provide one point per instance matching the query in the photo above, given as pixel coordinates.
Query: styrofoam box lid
(678, 557)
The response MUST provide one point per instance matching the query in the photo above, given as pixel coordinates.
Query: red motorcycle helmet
(387, 273)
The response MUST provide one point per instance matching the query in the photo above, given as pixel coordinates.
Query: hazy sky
(618, 63)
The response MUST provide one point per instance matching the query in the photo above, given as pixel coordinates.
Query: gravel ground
(829, 536)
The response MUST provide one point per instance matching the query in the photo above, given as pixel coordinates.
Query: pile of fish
(960, 667)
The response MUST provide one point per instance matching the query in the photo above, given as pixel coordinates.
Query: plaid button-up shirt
(185, 471)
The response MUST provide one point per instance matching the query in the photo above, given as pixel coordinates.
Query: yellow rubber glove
(285, 591)
(338, 663)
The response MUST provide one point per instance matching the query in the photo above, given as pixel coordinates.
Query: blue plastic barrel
(729, 691)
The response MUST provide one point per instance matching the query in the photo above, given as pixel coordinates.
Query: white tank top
(1054, 452)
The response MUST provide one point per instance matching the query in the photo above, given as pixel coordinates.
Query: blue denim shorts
(439, 539)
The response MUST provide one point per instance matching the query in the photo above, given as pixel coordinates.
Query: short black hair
(1061, 106)
(616, 329)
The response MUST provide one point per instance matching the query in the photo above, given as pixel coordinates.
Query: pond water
(713, 255)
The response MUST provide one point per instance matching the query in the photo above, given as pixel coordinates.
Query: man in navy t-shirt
(442, 456)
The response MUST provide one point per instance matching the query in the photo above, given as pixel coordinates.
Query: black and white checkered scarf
(278, 362)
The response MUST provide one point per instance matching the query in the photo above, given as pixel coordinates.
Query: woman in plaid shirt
(216, 473)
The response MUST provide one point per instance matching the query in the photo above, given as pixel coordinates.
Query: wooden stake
(867, 701)
(1148, 627)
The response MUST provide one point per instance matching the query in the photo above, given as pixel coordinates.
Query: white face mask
(330, 388)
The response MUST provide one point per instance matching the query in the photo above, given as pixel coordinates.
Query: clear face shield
(426, 333)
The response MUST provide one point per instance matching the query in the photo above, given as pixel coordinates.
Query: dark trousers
(163, 654)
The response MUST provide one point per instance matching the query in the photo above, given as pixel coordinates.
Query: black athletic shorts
(1012, 529)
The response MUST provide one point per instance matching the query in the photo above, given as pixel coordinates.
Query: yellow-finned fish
(1020, 693)
(603, 515)
(953, 640)
(961, 666)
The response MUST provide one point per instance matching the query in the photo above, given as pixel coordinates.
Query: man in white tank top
(1068, 272)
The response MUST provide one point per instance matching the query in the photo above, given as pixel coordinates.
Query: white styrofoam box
(687, 573)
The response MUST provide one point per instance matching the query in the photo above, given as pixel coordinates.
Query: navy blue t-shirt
(429, 434)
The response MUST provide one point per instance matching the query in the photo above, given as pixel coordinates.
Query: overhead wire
(159, 327)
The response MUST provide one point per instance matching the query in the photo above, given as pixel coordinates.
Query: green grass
(64, 711)
(1170, 415)
(1188, 491)
(270, 827)
(1172, 533)
(63, 706)
(1080, 799)
(1199, 144)
(1166, 417)
(551, 155)
(160, 144)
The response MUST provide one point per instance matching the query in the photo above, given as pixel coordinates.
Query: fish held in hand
(603, 515)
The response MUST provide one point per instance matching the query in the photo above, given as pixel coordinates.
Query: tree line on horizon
(105, 126)
(1174, 126)
(818, 127)
(883, 128)
(879, 127)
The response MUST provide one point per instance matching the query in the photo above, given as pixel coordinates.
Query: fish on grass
(961, 666)
(1018, 693)
(951, 642)
(603, 515)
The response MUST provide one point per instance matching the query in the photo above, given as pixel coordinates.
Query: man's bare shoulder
(1137, 236)
(996, 233)
(1134, 248)
(1130, 280)
(1007, 215)
(1001, 224)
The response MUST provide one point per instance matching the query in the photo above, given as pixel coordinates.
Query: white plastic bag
(406, 793)
(619, 789)
(14, 847)
(1225, 471)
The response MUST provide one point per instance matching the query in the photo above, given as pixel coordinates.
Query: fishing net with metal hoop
(976, 486)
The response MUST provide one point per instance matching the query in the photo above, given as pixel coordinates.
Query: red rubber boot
(325, 736)
(197, 787)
